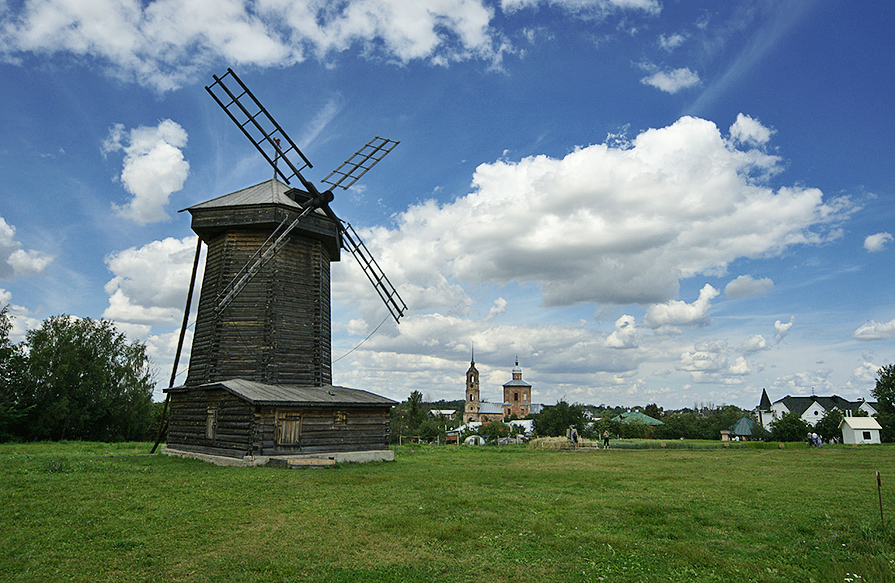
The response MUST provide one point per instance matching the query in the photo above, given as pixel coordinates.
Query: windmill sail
(362, 160)
(275, 145)
(387, 292)
(258, 126)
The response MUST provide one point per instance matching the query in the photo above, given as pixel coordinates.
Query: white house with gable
(860, 430)
(810, 409)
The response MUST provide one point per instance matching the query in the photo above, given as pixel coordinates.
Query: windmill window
(867, 435)
(515, 396)
(211, 422)
(288, 428)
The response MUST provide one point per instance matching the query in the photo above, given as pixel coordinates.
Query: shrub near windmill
(260, 374)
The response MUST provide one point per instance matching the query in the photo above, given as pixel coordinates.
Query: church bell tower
(471, 413)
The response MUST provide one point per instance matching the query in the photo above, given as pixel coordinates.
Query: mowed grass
(99, 512)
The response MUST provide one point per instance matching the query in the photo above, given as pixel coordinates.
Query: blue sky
(643, 201)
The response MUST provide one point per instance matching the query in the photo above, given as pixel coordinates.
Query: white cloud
(804, 383)
(499, 307)
(154, 168)
(679, 313)
(164, 43)
(747, 130)
(754, 344)
(875, 331)
(15, 261)
(20, 317)
(625, 334)
(671, 42)
(745, 286)
(877, 242)
(591, 7)
(866, 373)
(150, 283)
(781, 329)
(605, 224)
(672, 81)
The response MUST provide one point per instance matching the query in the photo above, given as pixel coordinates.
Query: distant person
(574, 438)
(606, 439)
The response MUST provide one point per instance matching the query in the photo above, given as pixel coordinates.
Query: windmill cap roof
(268, 192)
(263, 394)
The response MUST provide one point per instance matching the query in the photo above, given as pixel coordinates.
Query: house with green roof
(637, 417)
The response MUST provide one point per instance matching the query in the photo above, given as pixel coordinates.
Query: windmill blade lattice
(387, 292)
(258, 126)
(275, 145)
(362, 160)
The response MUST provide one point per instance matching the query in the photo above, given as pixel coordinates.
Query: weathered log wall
(277, 329)
(240, 428)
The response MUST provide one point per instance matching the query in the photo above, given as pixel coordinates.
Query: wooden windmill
(260, 374)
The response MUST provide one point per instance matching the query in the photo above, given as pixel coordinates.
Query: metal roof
(267, 192)
(637, 417)
(860, 423)
(743, 426)
(262, 394)
(800, 404)
(516, 383)
(490, 408)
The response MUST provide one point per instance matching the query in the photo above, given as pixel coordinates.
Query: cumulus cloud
(16, 261)
(747, 130)
(866, 373)
(679, 313)
(499, 307)
(614, 224)
(154, 168)
(625, 334)
(164, 43)
(150, 282)
(781, 329)
(20, 317)
(754, 344)
(745, 286)
(708, 363)
(877, 242)
(672, 81)
(873, 330)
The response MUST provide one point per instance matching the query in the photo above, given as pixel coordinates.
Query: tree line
(74, 379)
(703, 421)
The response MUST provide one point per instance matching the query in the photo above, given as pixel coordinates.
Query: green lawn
(97, 512)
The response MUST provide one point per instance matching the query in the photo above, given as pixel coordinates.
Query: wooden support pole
(163, 421)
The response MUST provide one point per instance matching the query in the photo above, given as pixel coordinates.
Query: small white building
(860, 430)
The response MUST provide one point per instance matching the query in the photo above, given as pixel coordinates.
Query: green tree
(494, 430)
(677, 426)
(415, 412)
(82, 379)
(884, 391)
(653, 410)
(789, 427)
(555, 420)
(11, 410)
(828, 426)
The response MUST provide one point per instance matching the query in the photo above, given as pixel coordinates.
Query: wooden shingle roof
(289, 395)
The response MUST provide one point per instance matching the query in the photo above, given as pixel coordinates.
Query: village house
(860, 430)
(811, 408)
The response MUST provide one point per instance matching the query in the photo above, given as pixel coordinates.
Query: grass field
(97, 512)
